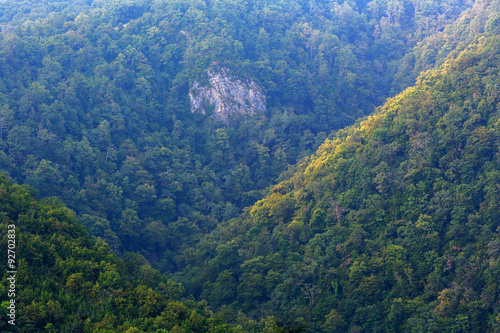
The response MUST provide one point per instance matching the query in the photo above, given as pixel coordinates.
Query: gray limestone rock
(228, 96)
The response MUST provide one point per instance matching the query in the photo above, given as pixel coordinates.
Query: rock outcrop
(226, 96)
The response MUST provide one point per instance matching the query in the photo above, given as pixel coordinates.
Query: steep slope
(95, 108)
(66, 282)
(393, 225)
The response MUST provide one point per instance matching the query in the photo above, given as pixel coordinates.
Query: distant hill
(454, 38)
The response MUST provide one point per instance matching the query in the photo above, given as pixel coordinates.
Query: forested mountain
(66, 282)
(393, 225)
(456, 36)
(95, 107)
(158, 121)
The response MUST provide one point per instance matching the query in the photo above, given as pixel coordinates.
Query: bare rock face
(229, 97)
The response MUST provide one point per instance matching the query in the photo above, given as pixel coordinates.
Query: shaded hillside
(66, 282)
(393, 225)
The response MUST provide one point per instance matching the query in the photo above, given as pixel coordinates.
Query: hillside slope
(95, 107)
(66, 282)
(393, 225)
(433, 50)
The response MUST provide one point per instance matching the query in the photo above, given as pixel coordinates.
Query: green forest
(69, 282)
(364, 196)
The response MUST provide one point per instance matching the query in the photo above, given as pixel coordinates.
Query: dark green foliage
(391, 226)
(94, 103)
(68, 282)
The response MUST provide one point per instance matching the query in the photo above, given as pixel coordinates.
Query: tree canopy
(393, 225)
(94, 105)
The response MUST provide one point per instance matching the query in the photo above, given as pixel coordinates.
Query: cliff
(227, 96)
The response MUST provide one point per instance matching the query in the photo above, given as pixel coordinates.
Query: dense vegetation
(94, 102)
(434, 49)
(393, 225)
(67, 282)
